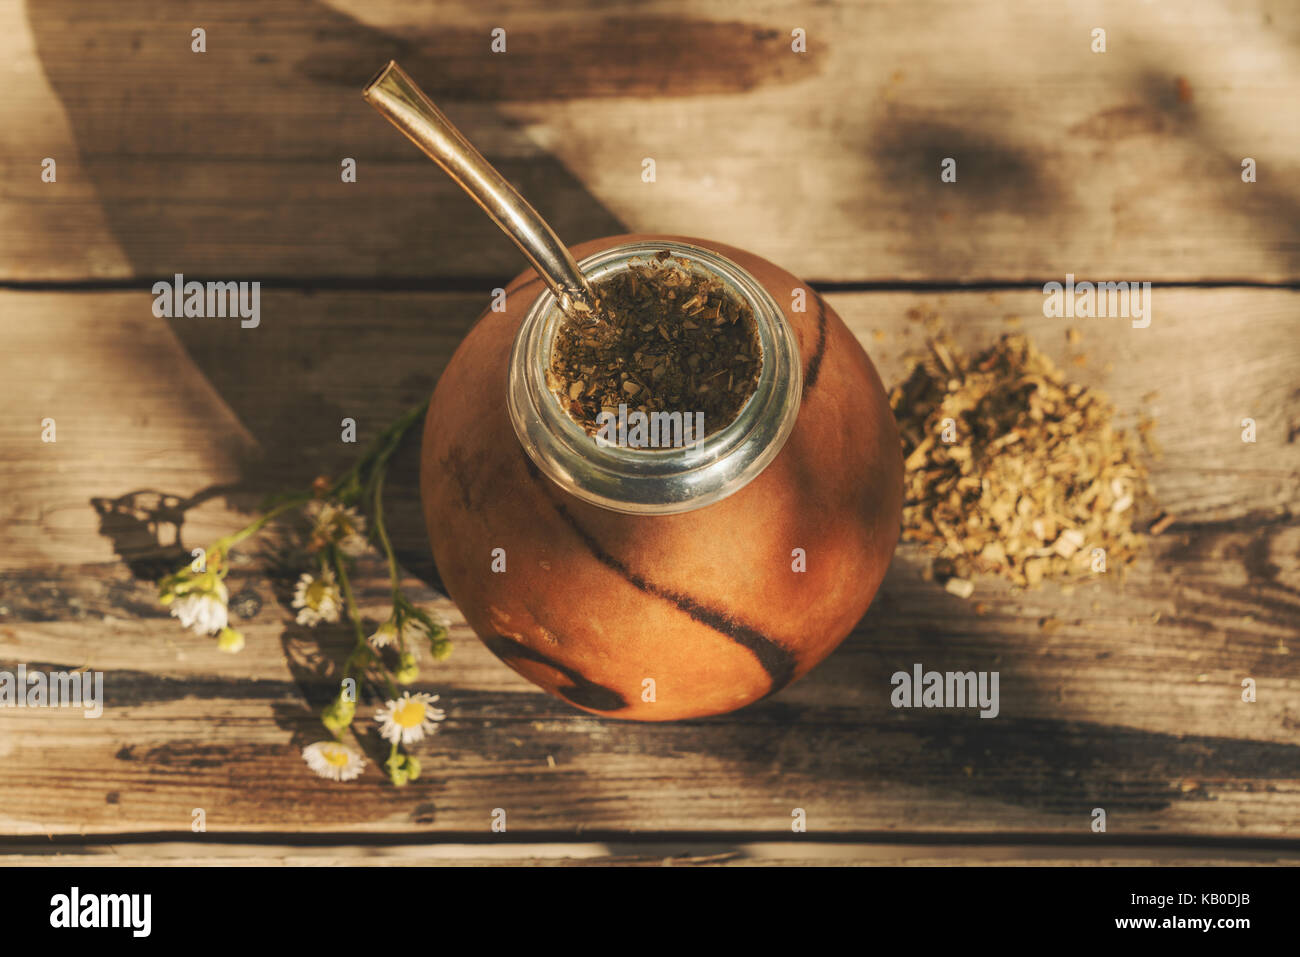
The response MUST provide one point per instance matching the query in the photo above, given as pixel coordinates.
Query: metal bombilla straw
(394, 94)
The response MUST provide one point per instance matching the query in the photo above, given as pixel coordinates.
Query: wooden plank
(1111, 709)
(1130, 703)
(1120, 165)
(1208, 360)
(189, 407)
(667, 854)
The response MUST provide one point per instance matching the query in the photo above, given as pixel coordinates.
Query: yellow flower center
(315, 594)
(409, 714)
(335, 756)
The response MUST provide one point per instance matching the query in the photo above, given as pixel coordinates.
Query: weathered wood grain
(1129, 699)
(194, 407)
(1121, 694)
(1108, 709)
(1117, 165)
(657, 854)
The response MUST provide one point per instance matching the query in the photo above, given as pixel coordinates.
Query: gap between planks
(890, 849)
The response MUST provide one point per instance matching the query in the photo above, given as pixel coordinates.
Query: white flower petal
(333, 760)
(392, 730)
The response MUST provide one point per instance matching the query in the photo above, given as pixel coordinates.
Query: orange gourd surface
(657, 618)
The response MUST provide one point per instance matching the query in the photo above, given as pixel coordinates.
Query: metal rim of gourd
(656, 481)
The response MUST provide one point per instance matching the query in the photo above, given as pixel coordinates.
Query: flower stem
(349, 600)
(394, 574)
(381, 449)
(252, 528)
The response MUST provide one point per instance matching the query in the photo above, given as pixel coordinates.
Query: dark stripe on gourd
(584, 692)
(778, 662)
(815, 363)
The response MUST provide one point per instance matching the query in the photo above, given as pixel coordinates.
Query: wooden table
(1122, 165)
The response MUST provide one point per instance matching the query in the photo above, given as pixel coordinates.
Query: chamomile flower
(333, 760)
(408, 669)
(435, 632)
(440, 637)
(409, 718)
(402, 768)
(413, 632)
(340, 712)
(384, 635)
(340, 525)
(317, 598)
(230, 640)
(203, 609)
